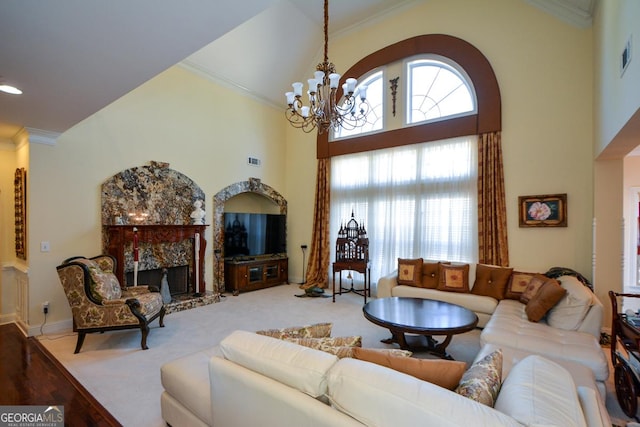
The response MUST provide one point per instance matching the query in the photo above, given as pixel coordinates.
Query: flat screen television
(254, 234)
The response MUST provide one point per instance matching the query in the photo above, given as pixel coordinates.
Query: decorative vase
(164, 288)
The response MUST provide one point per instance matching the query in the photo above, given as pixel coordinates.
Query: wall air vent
(625, 58)
(254, 161)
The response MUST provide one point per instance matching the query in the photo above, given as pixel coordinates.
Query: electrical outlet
(45, 307)
(303, 246)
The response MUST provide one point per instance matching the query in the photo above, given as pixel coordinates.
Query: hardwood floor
(29, 375)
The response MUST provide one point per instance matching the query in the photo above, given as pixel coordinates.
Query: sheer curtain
(415, 201)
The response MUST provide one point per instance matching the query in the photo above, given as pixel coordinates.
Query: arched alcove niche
(253, 186)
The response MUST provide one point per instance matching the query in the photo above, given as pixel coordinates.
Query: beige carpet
(126, 380)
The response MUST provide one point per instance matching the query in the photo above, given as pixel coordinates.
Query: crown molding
(575, 12)
(40, 136)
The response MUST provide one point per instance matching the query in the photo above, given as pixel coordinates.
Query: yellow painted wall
(196, 126)
(543, 67)
(7, 234)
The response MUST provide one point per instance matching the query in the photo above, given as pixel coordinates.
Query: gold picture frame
(548, 210)
(20, 196)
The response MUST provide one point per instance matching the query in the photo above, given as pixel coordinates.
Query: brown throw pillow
(517, 284)
(533, 287)
(430, 275)
(444, 373)
(547, 296)
(491, 281)
(410, 271)
(454, 277)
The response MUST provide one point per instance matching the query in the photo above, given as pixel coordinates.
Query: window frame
(407, 68)
(488, 117)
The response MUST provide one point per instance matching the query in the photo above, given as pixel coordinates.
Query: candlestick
(135, 256)
(135, 244)
(196, 244)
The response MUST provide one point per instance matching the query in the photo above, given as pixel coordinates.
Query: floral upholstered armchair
(99, 304)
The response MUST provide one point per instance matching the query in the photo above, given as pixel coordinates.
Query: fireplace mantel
(120, 236)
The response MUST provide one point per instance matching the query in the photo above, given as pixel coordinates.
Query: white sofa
(252, 380)
(572, 338)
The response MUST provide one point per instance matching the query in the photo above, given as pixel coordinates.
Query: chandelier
(324, 111)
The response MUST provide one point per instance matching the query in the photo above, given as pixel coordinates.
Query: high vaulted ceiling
(74, 57)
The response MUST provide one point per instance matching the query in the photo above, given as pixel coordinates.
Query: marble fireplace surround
(151, 194)
(253, 186)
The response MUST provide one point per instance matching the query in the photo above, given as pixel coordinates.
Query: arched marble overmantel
(253, 185)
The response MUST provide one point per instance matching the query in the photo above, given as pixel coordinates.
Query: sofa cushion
(540, 392)
(445, 373)
(517, 284)
(367, 391)
(410, 271)
(186, 380)
(491, 281)
(296, 366)
(547, 296)
(318, 330)
(570, 311)
(454, 278)
(481, 382)
(430, 275)
(104, 284)
(509, 327)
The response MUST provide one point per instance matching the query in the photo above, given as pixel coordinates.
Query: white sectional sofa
(569, 332)
(252, 380)
(553, 374)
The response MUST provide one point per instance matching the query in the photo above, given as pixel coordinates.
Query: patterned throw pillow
(491, 281)
(533, 287)
(340, 346)
(454, 277)
(410, 271)
(318, 330)
(104, 284)
(547, 296)
(482, 381)
(517, 284)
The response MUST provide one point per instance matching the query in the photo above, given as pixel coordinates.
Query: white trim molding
(40, 136)
(575, 12)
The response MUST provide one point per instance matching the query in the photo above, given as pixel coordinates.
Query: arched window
(437, 90)
(375, 94)
(414, 182)
(485, 118)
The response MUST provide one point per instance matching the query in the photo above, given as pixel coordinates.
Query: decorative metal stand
(352, 254)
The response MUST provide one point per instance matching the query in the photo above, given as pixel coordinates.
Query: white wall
(617, 95)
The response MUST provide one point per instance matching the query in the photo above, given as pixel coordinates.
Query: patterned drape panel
(492, 210)
(318, 265)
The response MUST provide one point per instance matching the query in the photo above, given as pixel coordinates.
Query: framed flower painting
(543, 211)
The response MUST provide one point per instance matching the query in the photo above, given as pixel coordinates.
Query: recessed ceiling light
(10, 89)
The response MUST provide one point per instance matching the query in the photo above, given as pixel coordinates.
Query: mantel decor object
(543, 211)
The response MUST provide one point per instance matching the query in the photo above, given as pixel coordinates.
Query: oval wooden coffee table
(423, 317)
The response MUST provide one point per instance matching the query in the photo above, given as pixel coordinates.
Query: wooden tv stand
(244, 274)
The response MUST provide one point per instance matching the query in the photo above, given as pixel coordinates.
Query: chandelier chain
(324, 112)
